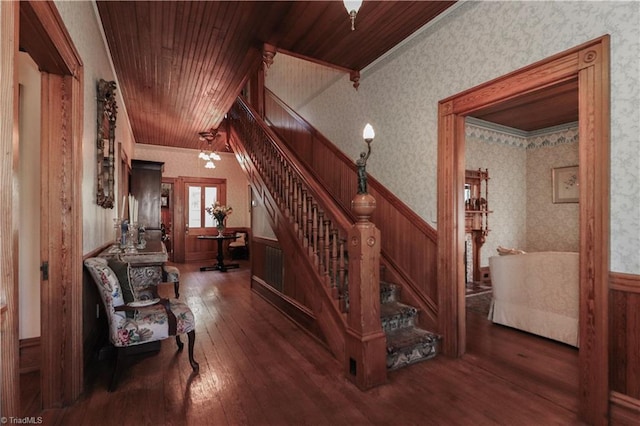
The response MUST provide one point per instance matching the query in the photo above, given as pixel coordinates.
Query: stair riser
(399, 321)
(417, 353)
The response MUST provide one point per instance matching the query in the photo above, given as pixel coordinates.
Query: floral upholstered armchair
(138, 316)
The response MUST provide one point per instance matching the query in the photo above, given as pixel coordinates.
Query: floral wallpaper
(523, 215)
(474, 43)
(506, 159)
(550, 227)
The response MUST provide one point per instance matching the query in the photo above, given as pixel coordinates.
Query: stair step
(407, 346)
(396, 315)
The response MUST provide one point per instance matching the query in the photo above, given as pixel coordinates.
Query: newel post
(365, 354)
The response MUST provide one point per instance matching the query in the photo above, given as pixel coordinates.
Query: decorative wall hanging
(565, 184)
(107, 111)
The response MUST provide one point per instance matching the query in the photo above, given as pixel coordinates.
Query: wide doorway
(589, 65)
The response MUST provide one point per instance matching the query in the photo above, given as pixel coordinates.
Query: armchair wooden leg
(192, 341)
(179, 343)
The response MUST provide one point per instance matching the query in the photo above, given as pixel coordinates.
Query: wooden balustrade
(322, 230)
(303, 201)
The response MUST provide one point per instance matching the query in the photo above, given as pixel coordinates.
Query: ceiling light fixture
(209, 155)
(352, 7)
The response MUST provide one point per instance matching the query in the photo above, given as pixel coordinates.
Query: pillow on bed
(503, 251)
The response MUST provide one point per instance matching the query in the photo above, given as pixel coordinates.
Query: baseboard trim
(624, 409)
(297, 313)
(30, 355)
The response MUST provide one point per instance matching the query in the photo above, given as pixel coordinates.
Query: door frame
(589, 63)
(49, 44)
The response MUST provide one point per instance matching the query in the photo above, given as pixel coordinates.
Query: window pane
(195, 207)
(210, 197)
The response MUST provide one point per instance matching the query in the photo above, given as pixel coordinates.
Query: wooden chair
(239, 248)
(145, 319)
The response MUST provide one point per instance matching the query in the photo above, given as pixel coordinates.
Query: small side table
(220, 266)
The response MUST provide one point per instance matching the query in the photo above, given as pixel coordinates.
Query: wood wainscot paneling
(624, 410)
(624, 347)
(29, 355)
(274, 278)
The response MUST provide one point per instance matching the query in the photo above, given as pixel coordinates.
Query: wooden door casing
(589, 63)
(47, 41)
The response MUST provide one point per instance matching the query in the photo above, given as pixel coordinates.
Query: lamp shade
(352, 5)
(368, 133)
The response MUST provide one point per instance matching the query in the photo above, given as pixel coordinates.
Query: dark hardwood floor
(258, 368)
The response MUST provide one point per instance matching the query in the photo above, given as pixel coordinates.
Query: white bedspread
(537, 293)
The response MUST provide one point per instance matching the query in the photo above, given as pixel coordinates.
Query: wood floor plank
(258, 368)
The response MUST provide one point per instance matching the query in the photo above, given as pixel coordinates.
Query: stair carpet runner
(406, 342)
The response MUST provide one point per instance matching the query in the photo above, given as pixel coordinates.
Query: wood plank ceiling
(181, 64)
(545, 108)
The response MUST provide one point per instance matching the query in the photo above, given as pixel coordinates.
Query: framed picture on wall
(564, 181)
(165, 194)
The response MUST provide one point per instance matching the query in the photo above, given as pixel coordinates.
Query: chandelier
(209, 155)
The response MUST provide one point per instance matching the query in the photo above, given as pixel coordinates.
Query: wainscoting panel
(624, 314)
(29, 355)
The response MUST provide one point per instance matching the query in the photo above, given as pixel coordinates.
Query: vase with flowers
(219, 213)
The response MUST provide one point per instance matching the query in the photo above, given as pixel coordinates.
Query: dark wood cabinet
(476, 201)
(145, 186)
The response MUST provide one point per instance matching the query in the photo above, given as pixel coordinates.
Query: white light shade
(215, 156)
(368, 133)
(209, 165)
(352, 5)
(203, 155)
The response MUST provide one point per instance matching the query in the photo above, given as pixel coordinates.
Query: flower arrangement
(219, 212)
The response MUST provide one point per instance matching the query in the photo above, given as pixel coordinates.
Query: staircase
(316, 230)
(406, 342)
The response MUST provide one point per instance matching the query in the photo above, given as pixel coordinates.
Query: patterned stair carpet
(406, 342)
